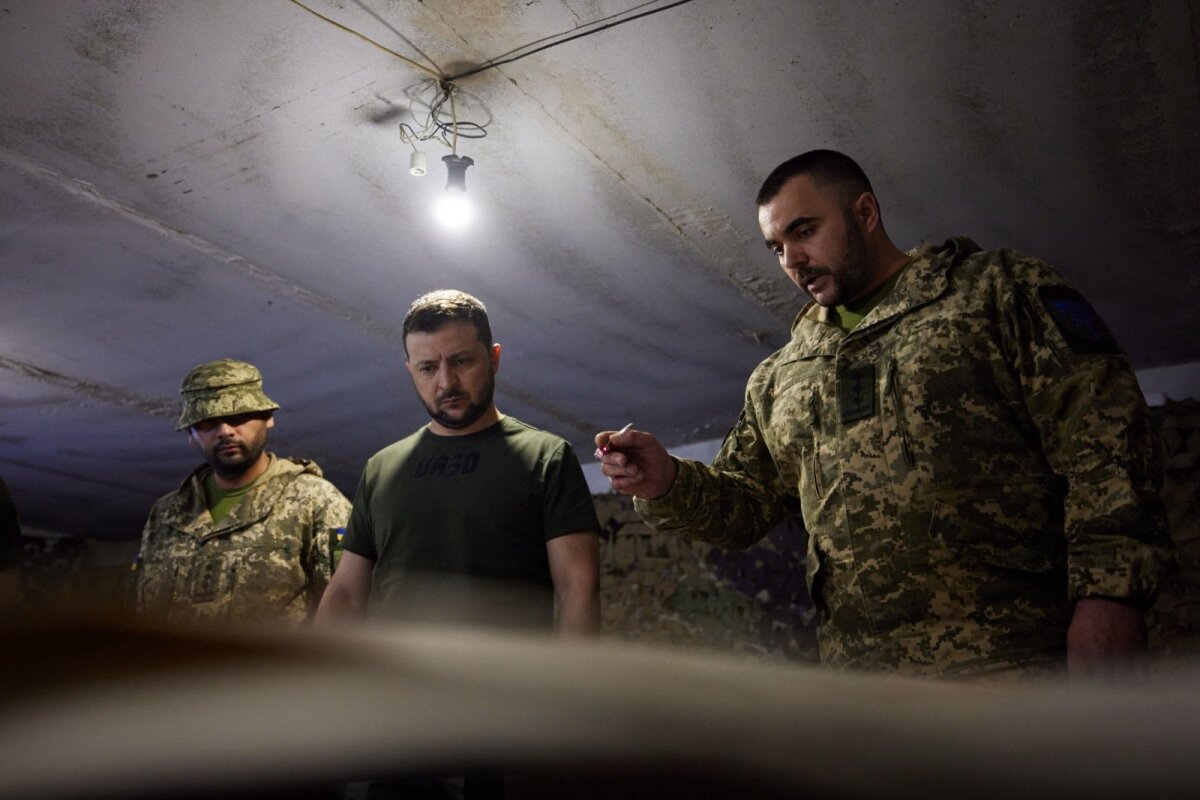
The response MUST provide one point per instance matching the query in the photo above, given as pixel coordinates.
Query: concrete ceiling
(185, 180)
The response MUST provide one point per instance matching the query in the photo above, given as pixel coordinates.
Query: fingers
(619, 438)
(602, 440)
(631, 478)
(630, 460)
(605, 440)
(622, 473)
(624, 477)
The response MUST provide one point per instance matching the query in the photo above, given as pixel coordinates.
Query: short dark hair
(823, 166)
(434, 309)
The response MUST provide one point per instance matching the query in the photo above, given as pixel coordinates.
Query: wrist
(673, 471)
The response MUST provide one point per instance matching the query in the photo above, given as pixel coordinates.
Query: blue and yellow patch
(1077, 321)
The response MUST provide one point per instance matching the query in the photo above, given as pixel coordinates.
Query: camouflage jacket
(270, 558)
(968, 461)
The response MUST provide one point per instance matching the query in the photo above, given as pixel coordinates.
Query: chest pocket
(253, 564)
(208, 581)
(951, 405)
(793, 413)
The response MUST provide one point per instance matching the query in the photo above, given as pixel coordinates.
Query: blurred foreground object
(104, 709)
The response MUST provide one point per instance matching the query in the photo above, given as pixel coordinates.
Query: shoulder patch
(1077, 321)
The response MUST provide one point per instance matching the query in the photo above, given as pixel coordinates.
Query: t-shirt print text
(446, 466)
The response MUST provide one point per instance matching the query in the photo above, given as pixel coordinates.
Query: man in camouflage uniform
(248, 535)
(969, 449)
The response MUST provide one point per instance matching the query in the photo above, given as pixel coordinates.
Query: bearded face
(232, 445)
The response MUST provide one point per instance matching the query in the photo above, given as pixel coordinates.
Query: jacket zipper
(1032, 320)
(813, 408)
(901, 423)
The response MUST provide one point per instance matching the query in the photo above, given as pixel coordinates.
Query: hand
(635, 463)
(1105, 639)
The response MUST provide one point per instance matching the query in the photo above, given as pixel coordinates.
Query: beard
(852, 273)
(235, 462)
(473, 411)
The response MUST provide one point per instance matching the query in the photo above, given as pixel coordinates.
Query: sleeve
(567, 505)
(360, 538)
(1096, 432)
(733, 503)
(330, 514)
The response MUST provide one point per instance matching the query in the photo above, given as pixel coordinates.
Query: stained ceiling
(186, 180)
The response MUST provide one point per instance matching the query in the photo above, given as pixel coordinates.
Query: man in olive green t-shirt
(476, 517)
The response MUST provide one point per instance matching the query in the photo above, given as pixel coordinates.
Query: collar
(923, 280)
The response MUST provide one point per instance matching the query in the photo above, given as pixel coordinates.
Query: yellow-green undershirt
(851, 314)
(221, 501)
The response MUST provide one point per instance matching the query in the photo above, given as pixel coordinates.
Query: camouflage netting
(661, 588)
(1175, 618)
(59, 575)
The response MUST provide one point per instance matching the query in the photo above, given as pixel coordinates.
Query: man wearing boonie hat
(249, 535)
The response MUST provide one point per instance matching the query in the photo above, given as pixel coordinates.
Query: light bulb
(453, 209)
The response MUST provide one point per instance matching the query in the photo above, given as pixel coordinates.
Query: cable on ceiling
(375, 15)
(448, 133)
(577, 29)
(368, 40)
(492, 64)
(436, 125)
(568, 36)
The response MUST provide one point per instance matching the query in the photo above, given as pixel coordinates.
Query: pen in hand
(607, 446)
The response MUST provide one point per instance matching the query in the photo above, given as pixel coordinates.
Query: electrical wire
(337, 24)
(577, 29)
(451, 90)
(367, 9)
(448, 133)
(435, 125)
(493, 64)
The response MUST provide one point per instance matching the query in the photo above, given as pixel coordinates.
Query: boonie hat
(222, 388)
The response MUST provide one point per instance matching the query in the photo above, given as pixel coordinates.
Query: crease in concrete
(263, 277)
(525, 398)
(139, 490)
(111, 395)
(753, 287)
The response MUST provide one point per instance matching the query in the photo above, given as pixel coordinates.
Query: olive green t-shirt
(851, 314)
(221, 501)
(432, 510)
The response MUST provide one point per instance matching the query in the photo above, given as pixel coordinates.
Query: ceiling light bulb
(453, 209)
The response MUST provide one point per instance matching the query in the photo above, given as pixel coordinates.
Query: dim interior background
(183, 181)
